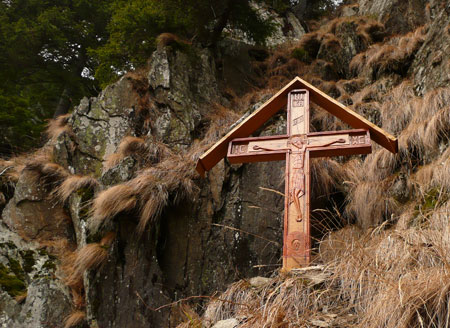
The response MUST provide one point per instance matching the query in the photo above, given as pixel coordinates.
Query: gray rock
(259, 282)
(47, 304)
(99, 124)
(398, 16)
(228, 323)
(430, 68)
(33, 271)
(32, 213)
(182, 82)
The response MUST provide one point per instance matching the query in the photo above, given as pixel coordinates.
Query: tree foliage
(43, 52)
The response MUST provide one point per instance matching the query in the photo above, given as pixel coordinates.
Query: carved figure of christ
(297, 147)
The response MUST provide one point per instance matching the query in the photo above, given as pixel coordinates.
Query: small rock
(228, 323)
(316, 274)
(259, 281)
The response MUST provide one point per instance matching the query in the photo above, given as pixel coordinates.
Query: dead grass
(49, 174)
(327, 175)
(12, 167)
(435, 174)
(166, 39)
(392, 56)
(74, 183)
(57, 126)
(111, 202)
(378, 277)
(90, 257)
(145, 150)
(168, 181)
(429, 124)
(398, 107)
(74, 319)
(171, 178)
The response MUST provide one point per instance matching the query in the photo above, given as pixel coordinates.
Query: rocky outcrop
(32, 295)
(398, 16)
(431, 66)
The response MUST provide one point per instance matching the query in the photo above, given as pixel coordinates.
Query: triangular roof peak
(256, 119)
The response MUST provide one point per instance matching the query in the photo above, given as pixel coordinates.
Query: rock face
(193, 250)
(31, 296)
(32, 214)
(399, 16)
(434, 52)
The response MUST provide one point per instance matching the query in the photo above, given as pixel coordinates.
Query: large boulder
(398, 16)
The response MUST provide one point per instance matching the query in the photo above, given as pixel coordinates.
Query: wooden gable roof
(256, 119)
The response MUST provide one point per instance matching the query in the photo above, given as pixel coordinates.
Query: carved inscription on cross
(297, 147)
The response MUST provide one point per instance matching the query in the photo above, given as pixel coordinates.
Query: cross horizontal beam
(274, 148)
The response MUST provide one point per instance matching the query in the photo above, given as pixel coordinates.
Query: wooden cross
(297, 147)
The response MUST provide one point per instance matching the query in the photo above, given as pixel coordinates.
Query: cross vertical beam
(297, 244)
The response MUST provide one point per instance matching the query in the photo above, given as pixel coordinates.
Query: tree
(44, 63)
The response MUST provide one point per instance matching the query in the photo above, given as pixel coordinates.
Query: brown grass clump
(428, 126)
(144, 151)
(57, 126)
(171, 178)
(111, 202)
(167, 39)
(51, 175)
(91, 256)
(166, 182)
(435, 174)
(393, 56)
(398, 107)
(327, 175)
(74, 183)
(74, 319)
(367, 29)
(11, 168)
(128, 146)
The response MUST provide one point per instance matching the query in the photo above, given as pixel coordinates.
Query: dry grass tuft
(398, 107)
(144, 151)
(51, 175)
(327, 175)
(167, 39)
(74, 183)
(91, 256)
(11, 168)
(392, 56)
(74, 319)
(111, 202)
(429, 124)
(168, 181)
(172, 178)
(57, 126)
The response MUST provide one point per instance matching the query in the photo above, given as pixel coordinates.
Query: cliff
(108, 225)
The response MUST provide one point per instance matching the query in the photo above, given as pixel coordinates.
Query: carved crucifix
(297, 147)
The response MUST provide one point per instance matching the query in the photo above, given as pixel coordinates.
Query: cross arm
(258, 149)
(339, 143)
